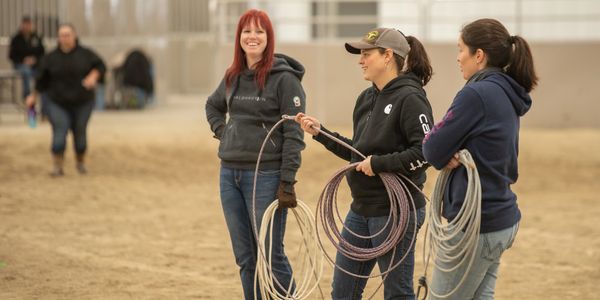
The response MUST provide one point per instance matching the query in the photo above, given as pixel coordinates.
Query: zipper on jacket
(373, 100)
(270, 139)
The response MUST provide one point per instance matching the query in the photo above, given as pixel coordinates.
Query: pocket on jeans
(492, 248)
(269, 172)
(513, 236)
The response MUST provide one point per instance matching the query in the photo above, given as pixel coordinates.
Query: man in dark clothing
(26, 49)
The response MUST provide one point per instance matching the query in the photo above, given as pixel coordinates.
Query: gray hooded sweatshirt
(253, 112)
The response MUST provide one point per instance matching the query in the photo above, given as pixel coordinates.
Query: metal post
(424, 19)
(519, 17)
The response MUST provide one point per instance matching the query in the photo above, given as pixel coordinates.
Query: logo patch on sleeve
(297, 101)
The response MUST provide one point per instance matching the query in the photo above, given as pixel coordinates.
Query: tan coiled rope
(453, 244)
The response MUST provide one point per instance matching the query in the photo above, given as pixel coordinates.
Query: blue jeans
(236, 199)
(100, 92)
(27, 76)
(63, 118)
(481, 280)
(143, 98)
(399, 283)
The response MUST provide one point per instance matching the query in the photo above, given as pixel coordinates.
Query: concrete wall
(568, 95)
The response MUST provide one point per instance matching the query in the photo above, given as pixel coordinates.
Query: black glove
(286, 194)
(219, 132)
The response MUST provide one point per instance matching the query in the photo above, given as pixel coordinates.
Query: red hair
(263, 67)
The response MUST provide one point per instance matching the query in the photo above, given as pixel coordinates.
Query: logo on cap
(371, 36)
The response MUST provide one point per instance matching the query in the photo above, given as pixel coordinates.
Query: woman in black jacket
(68, 76)
(390, 118)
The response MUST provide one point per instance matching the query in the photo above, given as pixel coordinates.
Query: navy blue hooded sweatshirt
(484, 119)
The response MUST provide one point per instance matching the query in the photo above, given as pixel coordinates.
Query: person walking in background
(25, 51)
(68, 76)
(484, 118)
(257, 89)
(390, 119)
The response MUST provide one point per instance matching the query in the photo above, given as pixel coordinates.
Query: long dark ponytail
(417, 62)
(520, 66)
(510, 53)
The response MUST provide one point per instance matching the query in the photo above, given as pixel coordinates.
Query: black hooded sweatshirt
(21, 47)
(253, 112)
(389, 125)
(61, 75)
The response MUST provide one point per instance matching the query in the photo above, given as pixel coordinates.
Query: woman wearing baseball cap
(391, 118)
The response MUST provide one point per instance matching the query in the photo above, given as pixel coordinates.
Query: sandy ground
(146, 223)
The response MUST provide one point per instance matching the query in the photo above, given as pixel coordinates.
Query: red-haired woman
(256, 90)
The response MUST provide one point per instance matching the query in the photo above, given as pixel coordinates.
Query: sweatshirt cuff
(321, 138)
(377, 164)
(288, 176)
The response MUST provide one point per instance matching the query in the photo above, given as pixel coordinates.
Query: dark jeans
(399, 283)
(63, 118)
(236, 198)
(27, 75)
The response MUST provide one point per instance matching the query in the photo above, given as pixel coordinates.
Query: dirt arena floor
(146, 222)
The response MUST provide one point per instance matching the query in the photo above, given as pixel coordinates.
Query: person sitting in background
(25, 50)
(137, 73)
(133, 80)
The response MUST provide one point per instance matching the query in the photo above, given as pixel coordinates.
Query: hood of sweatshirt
(517, 94)
(281, 63)
(408, 79)
(284, 63)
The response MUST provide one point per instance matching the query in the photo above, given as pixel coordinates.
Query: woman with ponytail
(391, 118)
(484, 118)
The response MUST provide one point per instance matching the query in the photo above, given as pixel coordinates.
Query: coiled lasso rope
(454, 243)
(401, 202)
(307, 277)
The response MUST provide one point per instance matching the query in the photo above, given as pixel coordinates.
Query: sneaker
(81, 168)
(57, 172)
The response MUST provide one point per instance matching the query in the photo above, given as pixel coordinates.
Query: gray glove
(219, 132)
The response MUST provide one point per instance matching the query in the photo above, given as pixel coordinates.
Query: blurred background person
(134, 81)
(26, 50)
(68, 76)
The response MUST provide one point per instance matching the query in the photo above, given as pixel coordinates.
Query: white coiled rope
(449, 252)
(307, 275)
